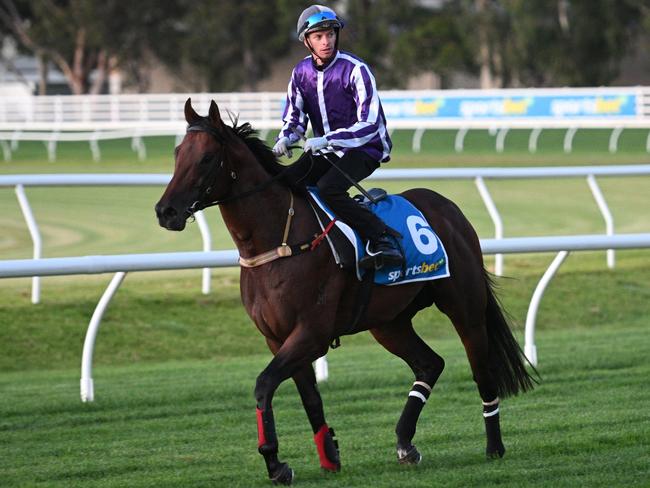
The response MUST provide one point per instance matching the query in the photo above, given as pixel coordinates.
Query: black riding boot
(383, 251)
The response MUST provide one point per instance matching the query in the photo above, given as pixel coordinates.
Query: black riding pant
(314, 170)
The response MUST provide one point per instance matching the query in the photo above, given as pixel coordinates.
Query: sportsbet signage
(520, 104)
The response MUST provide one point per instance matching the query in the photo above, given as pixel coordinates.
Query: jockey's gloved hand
(315, 144)
(282, 148)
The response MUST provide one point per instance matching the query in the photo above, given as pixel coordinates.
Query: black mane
(262, 152)
(258, 147)
(264, 155)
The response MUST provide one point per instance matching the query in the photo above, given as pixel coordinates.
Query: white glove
(281, 147)
(315, 144)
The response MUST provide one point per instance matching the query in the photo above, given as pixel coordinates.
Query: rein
(262, 186)
(284, 250)
(197, 205)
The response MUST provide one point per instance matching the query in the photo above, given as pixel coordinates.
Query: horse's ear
(190, 115)
(215, 116)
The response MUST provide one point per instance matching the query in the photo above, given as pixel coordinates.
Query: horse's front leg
(326, 445)
(296, 353)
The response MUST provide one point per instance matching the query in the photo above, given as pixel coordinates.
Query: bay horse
(303, 302)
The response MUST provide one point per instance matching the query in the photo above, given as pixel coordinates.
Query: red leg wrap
(320, 438)
(261, 437)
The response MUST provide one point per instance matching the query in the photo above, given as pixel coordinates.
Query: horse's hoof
(283, 476)
(495, 452)
(408, 456)
(330, 469)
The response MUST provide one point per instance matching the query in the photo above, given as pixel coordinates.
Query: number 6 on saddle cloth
(424, 253)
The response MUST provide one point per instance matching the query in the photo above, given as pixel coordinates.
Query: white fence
(149, 262)
(479, 175)
(98, 117)
(139, 262)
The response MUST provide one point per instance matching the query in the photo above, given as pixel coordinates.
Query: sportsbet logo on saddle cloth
(426, 258)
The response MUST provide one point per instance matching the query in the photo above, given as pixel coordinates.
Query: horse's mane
(263, 153)
(258, 147)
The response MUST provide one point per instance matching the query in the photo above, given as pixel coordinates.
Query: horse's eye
(206, 159)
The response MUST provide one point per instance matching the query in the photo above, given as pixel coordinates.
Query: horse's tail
(507, 360)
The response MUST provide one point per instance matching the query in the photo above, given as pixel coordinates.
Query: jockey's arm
(294, 117)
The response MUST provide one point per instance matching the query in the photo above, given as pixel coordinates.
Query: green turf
(163, 315)
(437, 149)
(175, 370)
(192, 423)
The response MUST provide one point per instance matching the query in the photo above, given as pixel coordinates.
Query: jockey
(336, 91)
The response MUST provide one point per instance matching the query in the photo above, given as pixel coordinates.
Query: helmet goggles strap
(321, 21)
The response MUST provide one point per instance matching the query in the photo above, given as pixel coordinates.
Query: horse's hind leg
(471, 328)
(402, 340)
(326, 445)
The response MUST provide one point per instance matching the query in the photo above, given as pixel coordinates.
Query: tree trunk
(563, 15)
(114, 76)
(74, 74)
(100, 73)
(78, 81)
(250, 70)
(484, 52)
(42, 74)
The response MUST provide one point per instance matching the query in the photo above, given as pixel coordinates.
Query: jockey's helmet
(317, 18)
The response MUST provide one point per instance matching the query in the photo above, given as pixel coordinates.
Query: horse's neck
(256, 222)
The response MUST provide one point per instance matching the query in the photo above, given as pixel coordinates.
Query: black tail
(507, 360)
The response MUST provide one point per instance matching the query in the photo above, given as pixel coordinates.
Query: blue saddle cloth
(426, 258)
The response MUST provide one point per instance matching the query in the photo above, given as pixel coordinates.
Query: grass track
(192, 423)
(162, 316)
(175, 370)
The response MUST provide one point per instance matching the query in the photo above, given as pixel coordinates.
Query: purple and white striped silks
(342, 103)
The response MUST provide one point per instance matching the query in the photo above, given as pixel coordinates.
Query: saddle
(426, 258)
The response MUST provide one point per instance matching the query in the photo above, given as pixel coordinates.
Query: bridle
(284, 250)
(216, 169)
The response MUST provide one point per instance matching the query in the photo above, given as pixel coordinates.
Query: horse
(302, 301)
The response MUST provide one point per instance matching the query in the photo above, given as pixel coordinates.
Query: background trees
(503, 42)
(556, 43)
(233, 43)
(88, 37)
(223, 45)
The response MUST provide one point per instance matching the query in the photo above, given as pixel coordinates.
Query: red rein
(321, 236)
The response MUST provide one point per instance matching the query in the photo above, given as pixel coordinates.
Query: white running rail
(478, 175)
(182, 260)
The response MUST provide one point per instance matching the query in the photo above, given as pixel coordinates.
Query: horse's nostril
(165, 212)
(169, 212)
